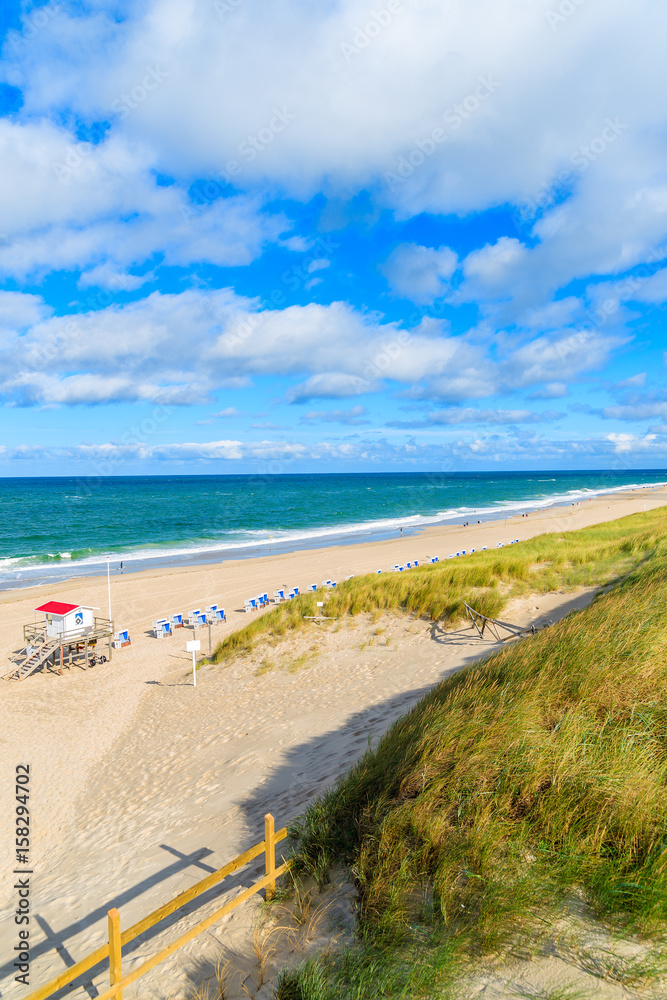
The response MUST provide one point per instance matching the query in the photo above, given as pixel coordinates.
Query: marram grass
(535, 776)
(486, 580)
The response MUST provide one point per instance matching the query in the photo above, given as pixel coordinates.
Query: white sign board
(194, 646)
(320, 604)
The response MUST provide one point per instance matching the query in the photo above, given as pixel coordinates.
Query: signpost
(194, 645)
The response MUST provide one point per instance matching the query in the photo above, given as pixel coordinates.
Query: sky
(276, 236)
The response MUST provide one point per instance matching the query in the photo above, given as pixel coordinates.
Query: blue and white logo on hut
(78, 618)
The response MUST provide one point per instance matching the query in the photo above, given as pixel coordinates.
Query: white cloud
(506, 103)
(552, 390)
(19, 310)
(420, 273)
(183, 347)
(106, 213)
(627, 443)
(318, 265)
(106, 276)
(229, 411)
(471, 415)
(634, 382)
(641, 411)
(353, 417)
(331, 385)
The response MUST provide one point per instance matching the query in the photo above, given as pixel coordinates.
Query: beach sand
(141, 784)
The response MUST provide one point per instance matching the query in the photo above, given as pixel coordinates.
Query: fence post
(115, 960)
(270, 853)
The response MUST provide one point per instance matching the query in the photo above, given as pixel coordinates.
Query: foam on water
(287, 499)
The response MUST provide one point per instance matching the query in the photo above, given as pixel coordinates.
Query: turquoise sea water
(56, 528)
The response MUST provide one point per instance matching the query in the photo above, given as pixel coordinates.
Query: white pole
(194, 670)
(109, 584)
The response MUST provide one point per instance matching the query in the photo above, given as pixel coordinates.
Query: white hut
(67, 620)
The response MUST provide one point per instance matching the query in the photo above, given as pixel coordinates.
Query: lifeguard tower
(71, 630)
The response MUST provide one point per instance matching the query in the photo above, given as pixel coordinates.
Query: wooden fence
(113, 949)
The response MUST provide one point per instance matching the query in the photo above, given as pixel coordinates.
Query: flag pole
(109, 584)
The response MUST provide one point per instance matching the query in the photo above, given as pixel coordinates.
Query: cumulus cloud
(491, 118)
(552, 390)
(105, 213)
(184, 347)
(419, 273)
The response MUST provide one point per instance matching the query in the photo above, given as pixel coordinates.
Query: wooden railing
(113, 949)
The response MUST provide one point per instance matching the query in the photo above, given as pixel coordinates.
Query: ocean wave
(28, 570)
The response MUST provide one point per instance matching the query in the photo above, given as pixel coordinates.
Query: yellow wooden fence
(113, 949)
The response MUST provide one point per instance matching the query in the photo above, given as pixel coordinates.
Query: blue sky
(277, 236)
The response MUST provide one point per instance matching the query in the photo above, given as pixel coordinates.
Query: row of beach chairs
(262, 600)
(213, 613)
(196, 618)
(454, 555)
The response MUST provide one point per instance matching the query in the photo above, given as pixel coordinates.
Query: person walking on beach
(121, 567)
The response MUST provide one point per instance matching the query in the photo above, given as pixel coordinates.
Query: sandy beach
(141, 784)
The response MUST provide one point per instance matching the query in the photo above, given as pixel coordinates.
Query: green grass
(486, 580)
(514, 784)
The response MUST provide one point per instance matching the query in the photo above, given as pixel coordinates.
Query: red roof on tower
(57, 608)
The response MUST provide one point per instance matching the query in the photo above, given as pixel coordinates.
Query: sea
(52, 529)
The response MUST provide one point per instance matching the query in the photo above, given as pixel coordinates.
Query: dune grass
(486, 580)
(535, 776)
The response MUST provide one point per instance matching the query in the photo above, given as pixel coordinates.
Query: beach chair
(121, 639)
(176, 620)
(333, 583)
(326, 583)
(379, 571)
(247, 606)
(278, 596)
(483, 548)
(313, 586)
(415, 562)
(296, 591)
(350, 577)
(162, 628)
(215, 614)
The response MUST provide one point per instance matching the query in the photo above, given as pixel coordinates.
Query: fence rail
(117, 939)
